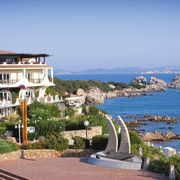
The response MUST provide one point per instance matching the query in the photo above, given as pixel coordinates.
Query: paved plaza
(69, 169)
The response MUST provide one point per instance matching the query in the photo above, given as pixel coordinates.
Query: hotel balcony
(13, 81)
(5, 99)
(25, 82)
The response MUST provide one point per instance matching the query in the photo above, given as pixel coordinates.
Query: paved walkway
(70, 169)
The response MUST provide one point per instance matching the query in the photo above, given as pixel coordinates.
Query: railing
(9, 81)
(35, 80)
(5, 101)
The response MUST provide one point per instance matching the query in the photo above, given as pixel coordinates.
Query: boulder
(95, 96)
(141, 80)
(80, 92)
(154, 80)
(158, 136)
(175, 83)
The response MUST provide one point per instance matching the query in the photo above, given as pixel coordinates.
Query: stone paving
(70, 169)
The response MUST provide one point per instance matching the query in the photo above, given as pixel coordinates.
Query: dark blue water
(159, 103)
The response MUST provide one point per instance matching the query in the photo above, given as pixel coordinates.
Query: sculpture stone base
(101, 159)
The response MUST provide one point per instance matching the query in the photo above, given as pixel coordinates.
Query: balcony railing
(35, 80)
(9, 81)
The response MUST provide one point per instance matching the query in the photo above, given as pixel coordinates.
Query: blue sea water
(159, 103)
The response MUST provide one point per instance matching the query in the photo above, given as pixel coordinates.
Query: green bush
(7, 146)
(138, 86)
(135, 138)
(99, 142)
(79, 143)
(35, 145)
(38, 110)
(93, 110)
(152, 152)
(159, 166)
(69, 112)
(57, 142)
(44, 128)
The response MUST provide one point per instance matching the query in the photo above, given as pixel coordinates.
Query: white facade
(22, 77)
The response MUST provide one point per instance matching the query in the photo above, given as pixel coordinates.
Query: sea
(158, 103)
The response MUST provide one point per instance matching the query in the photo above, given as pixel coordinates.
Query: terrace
(7, 57)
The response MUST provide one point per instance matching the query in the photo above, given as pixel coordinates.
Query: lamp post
(19, 126)
(86, 124)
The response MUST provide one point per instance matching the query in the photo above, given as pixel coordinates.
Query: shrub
(135, 138)
(35, 145)
(138, 86)
(79, 143)
(93, 110)
(44, 128)
(159, 166)
(99, 142)
(69, 112)
(7, 146)
(38, 110)
(152, 152)
(56, 141)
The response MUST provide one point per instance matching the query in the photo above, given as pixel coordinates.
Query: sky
(90, 34)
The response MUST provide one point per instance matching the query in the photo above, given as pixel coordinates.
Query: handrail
(9, 81)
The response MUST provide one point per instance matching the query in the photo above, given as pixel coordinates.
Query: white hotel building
(23, 76)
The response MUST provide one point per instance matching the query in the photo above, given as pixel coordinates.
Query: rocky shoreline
(140, 86)
(159, 137)
(154, 136)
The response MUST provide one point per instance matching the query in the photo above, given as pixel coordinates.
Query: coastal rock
(141, 80)
(94, 96)
(158, 136)
(112, 86)
(175, 83)
(80, 92)
(158, 118)
(154, 84)
(135, 123)
(154, 80)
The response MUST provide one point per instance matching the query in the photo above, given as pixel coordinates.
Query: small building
(75, 101)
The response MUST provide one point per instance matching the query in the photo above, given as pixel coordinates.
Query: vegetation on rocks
(72, 86)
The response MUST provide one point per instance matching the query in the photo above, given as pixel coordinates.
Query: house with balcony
(23, 76)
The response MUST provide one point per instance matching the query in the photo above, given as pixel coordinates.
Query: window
(4, 77)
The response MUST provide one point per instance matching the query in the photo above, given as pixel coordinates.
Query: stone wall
(39, 153)
(45, 153)
(10, 156)
(93, 131)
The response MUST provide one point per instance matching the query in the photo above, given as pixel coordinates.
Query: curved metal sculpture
(112, 145)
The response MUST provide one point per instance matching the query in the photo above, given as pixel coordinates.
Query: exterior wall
(93, 131)
(18, 76)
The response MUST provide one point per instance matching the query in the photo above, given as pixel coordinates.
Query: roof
(4, 54)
